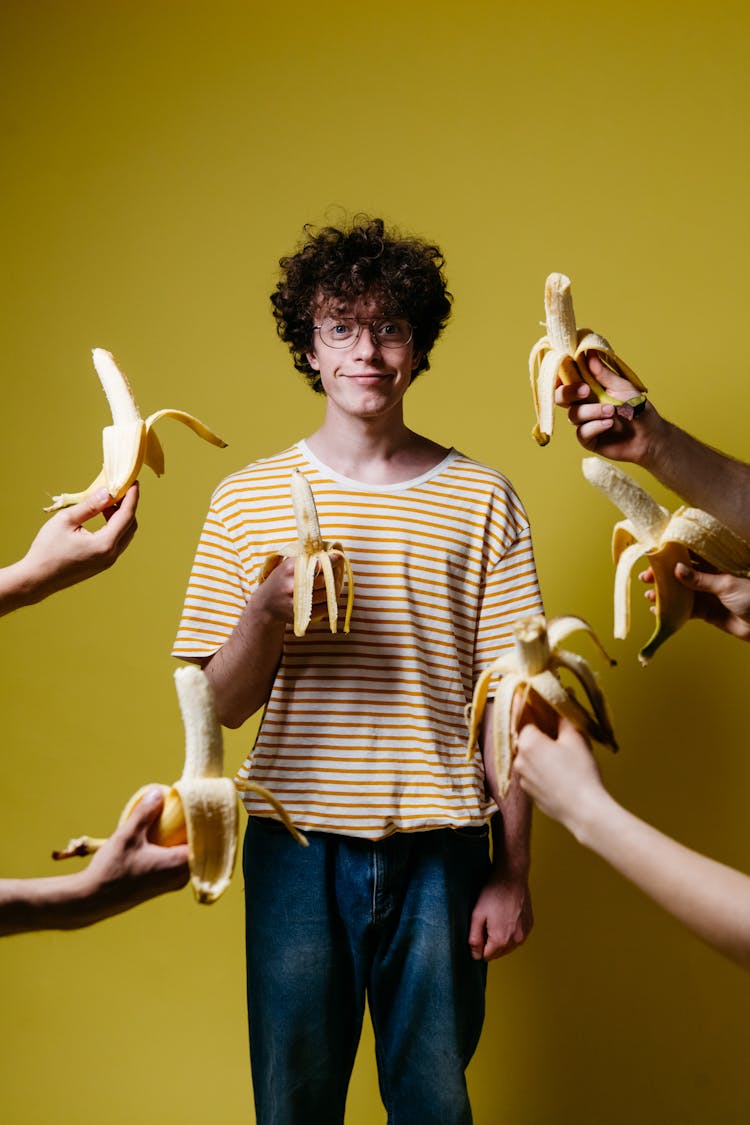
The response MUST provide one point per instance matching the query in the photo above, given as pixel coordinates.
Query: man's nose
(366, 345)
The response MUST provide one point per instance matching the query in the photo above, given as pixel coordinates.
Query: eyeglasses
(344, 331)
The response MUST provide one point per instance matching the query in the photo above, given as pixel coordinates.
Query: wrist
(18, 587)
(592, 810)
(659, 437)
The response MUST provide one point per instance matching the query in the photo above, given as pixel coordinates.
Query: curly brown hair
(403, 275)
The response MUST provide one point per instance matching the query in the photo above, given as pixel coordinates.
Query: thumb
(616, 385)
(148, 809)
(89, 507)
(699, 579)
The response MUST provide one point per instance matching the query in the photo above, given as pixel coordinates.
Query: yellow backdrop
(158, 158)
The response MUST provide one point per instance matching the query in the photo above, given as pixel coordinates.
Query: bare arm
(502, 918)
(126, 871)
(711, 899)
(704, 477)
(242, 671)
(64, 552)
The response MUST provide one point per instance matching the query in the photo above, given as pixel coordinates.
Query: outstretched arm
(502, 918)
(126, 871)
(711, 899)
(704, 477)
(64, 552)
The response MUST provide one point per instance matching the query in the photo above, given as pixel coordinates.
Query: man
(363, 736)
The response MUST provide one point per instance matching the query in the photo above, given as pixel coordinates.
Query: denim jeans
(344, 920)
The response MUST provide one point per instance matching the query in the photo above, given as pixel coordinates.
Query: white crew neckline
(364, 486)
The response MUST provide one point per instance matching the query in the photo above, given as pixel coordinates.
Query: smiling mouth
(369, 375)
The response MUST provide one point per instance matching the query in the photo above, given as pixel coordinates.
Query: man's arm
(704, 477)
(711, 899)
(502, 918)
(126, 871)
(64, 552)
(242, 671)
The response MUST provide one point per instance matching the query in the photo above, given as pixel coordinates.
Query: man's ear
(416, 359)
(313, 360)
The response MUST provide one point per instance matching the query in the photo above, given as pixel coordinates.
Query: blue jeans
(346, 919)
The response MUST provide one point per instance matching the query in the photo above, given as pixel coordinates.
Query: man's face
(369, 376)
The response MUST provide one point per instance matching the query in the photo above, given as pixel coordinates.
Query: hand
(64, 552)
(722, 600)
(275, 595)
(560, 774)
(599, 428)
(501, 920)
(129, 869)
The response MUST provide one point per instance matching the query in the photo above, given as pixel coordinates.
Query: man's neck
(374, 450)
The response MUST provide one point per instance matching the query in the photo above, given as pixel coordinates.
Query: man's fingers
(568, 394)
(477, 936)
(617, 386)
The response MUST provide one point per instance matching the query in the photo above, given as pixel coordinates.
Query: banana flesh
(530, 674)
(130, 441)
(558, 356)
(201, 808)
(664, 539)
(309, 551)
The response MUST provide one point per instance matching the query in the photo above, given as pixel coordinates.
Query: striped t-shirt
(364, 733)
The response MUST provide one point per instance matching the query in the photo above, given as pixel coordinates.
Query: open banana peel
(664, 539)
(309, 551)
(558, 357)
(529, 674)
(130, 442)
(201, 808)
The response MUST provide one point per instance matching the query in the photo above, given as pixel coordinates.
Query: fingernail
(608, 410)
(102, 496)
(583, 391)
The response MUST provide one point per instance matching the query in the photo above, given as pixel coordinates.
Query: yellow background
(158, 159)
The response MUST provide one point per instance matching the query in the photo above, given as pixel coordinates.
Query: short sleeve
(511, 592)
(217, 592)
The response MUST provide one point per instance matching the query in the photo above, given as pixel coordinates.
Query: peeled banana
(531, 671)
(129, 442)
(201, 808)
(556, 355)
(309, 551)
(665, 540)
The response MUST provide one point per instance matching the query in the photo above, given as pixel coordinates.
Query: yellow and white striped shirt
(364, 733)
